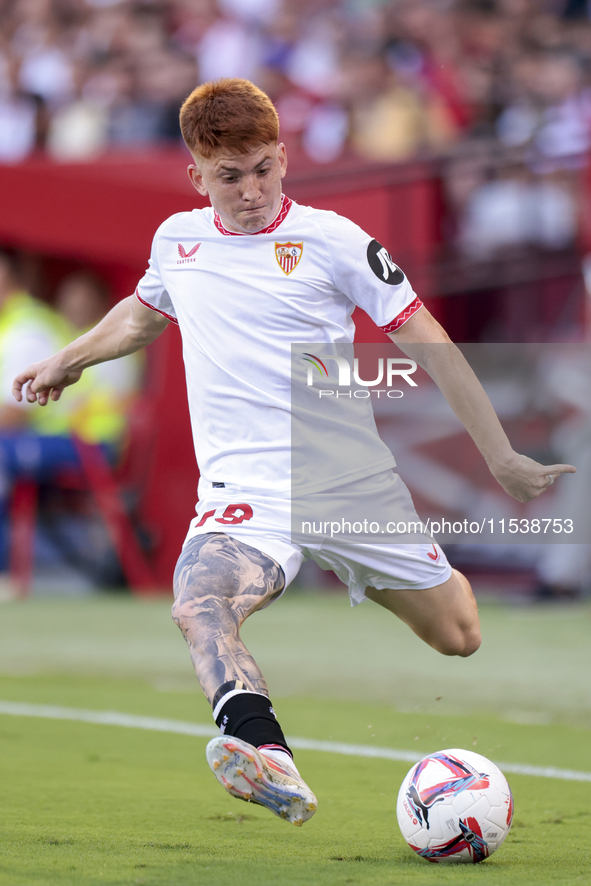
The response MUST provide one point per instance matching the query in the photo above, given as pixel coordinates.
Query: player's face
(244, 189)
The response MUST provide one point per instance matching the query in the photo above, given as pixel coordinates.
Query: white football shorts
(264, 523)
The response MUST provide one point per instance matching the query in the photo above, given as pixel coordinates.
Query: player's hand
(44, 381)
(524, 479)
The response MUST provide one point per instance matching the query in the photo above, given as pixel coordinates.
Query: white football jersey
(240, 301)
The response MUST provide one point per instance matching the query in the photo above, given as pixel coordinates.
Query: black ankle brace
(250, 716)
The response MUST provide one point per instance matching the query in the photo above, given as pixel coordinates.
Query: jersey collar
(283, 210)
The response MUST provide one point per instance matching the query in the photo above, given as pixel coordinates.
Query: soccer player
(244, 279)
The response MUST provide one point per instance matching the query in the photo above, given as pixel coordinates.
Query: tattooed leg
(218, 583)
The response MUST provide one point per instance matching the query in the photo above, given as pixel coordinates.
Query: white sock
(281, 757)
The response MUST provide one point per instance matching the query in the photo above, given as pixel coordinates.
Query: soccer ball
(455, 806)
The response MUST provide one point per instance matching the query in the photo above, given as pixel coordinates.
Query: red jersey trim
(158, 311)
(285, 207)
(403, 316)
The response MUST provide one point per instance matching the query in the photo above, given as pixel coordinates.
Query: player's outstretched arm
(128, 327)
(425, 341)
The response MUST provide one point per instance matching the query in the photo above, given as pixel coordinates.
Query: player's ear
(282, 155)
(197, 179)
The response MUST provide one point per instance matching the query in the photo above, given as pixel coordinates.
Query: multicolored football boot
(256, 775)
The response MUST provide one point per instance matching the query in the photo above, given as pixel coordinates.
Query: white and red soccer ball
(455, 806)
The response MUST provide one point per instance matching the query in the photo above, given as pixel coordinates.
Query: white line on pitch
(155, 724)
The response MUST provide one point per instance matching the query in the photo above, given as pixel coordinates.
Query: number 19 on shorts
(230, 516)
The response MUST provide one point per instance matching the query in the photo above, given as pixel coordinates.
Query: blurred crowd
(500, 89)
(387, 79)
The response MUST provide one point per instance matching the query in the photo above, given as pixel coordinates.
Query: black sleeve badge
(380, 261)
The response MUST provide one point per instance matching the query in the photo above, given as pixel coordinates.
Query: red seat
(107, 486)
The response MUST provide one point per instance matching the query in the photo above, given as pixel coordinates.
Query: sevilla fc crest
(288, 255)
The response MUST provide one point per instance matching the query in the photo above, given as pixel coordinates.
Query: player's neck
(236, 230)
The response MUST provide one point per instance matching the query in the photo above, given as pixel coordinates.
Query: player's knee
(462, 641)
(472, 640)
(196, 623)
(187, 610)
(180, 615)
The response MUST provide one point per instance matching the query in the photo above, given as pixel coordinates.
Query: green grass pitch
(84, 804)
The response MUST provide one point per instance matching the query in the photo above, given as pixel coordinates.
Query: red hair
(232, 114)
